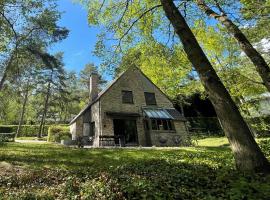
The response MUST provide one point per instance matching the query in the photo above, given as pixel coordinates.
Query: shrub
(58, 133)
(6, 129)
(6, 137)
(26, 130)
(32, 130)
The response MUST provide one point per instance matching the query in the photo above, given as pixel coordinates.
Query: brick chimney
(93, 86)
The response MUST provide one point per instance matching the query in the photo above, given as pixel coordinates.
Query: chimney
(93, 86)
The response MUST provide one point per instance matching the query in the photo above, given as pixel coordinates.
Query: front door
(126, 129)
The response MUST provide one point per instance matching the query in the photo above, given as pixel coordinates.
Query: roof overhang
(161, 113)
(122, 114)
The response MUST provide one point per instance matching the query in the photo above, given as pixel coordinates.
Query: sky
(78, 46)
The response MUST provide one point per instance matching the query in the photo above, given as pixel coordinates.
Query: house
(131, 111)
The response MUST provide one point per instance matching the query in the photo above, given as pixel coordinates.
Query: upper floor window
(150, 98)
(127, 96)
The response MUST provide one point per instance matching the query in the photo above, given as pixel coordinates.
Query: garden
(53, 171)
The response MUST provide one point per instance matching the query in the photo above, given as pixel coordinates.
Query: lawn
(32, 138)
(50, 171)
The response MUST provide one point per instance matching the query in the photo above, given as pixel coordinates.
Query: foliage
(7, 137)
(58, 133)
(29, 130)
(6, 129)
(84, 81)
(37, 27)
(265, 146)
(260, 125)
(53, 171)
(204, 125)
(26, 130)
(257, 14)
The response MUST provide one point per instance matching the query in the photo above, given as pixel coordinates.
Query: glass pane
(154, 124)
(165, 124)
(130, 132)
(127, 96)
(159, 123)
(150, 98)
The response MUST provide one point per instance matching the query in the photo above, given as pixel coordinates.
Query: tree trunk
(6, 70)
(23, 111)
(247, 153)
(42, 123)
(256, 58)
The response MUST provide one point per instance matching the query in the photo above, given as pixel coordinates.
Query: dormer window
(127, 97)
(150, 98)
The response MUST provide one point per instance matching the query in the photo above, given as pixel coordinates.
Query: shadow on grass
(55, 156)
(186, 173)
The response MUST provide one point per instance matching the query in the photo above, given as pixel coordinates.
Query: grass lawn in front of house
(50, 171)
(32, 138)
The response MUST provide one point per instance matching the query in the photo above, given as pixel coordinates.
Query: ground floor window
(161, 124)
(92, 129)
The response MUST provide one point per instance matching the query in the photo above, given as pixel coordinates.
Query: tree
(256, 58)
(26, 23)
(84, 78)
(168, 68)
(145, 17)
(51, 78)
(26, 83)
(247, 154)
(257, 14)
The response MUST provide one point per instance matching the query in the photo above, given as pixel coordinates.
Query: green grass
(32, 138)
(213, 142)
(49, 171)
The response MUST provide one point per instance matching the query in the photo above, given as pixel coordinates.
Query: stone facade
(111, 101)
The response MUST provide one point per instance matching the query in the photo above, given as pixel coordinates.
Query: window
(163, 124)
(92, 129)
(150, 98)
(154, 124)
(127, 97)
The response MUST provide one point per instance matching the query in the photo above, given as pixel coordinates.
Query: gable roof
(108, 87)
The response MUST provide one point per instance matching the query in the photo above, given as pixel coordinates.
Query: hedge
(58, 133)
(26, 130)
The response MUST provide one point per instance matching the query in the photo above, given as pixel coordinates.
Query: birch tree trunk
(255, 57)
(247, 154)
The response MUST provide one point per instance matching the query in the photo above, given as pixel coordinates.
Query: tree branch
(135, 21)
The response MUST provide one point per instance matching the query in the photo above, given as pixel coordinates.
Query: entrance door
(127, 130)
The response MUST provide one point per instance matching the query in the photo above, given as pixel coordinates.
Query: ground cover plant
(50, 171)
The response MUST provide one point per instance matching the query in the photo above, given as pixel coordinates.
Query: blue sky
(80, 43)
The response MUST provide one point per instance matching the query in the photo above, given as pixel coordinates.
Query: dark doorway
(126, 130)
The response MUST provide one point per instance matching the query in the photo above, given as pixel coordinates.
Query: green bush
(260, 126)
(58, 133)
(6, 129)
(26, 130)
(7, 137)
